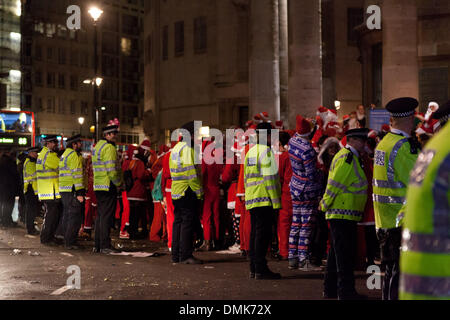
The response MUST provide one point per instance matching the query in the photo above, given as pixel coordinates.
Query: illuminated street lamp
(337, 104)
(81, 122)
(96, 13)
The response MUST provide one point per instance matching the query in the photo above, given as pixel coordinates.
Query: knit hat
(303, 126)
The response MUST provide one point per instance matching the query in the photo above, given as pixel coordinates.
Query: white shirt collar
(403, 133)
(355, 152)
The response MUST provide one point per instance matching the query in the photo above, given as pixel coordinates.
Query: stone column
(305, 61)
(284, 60)
(264, 58)
(400, 56)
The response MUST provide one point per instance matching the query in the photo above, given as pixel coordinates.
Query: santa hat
(373, 134)
(249, 123)
(279, 125)
(432, 108)
(303, 126)
(131, 151)
(262, 117)
(346, 117)
(146, 145)
(385, 128)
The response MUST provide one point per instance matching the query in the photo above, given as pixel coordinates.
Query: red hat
(385, 128)
(132, 150)
(279, 125)
(322, 109)
(249, 123)
(262, 117)
(373, 134)
(346, 117)
(146, 145)
(303, 126)
(343, 142)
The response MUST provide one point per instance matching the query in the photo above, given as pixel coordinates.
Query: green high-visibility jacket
(71, 171)
(392, 167)
(47, 175)
(346, 193)
(106, 166)
(262, 183)
(185, 174)
(425, 258)
(29, 176)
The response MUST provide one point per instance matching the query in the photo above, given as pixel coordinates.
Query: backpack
(128, 176)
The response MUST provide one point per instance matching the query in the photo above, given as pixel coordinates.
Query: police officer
(107, 179)
(187, 189)
(262, 199)
(72, 190)
(344, 202)
(395, 157)
(48, 188)
(425, 259)
(30, 189)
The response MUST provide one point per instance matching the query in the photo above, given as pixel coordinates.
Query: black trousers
(260, 237)
(51, 220)
(137, 211)
(6, 208)
(185, 211)
(390, 242)
(31, 209)
(73, 216)
(106, 203)
(339, 276)
(319, 238)
(372, 246)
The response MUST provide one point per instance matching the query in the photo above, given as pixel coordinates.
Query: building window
(38, 78)
(50, 80)
(130, 113)
(38, 52)
(49, 54)
(39, 106)
(51, 105)
(84, 108)
(74, 83)
(200, 35)
(355, 17)
(84, 60)
(62, 106)
(62, 56)
(74, 58)
(61, 81)
(73, 107)
(179, 38)
(165, 43)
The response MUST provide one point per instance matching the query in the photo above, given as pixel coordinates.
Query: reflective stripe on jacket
(47, 175)
(29, 176)
(262, 183)
(392, 166)
(183, 171)
(70, 171)
(346, 193)
(106, 166)
(425, 255)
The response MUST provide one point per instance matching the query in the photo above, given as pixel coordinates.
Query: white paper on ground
(134, 254)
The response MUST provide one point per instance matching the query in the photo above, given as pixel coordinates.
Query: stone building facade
(222, 61)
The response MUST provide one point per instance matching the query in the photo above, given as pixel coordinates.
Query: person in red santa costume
(158, 230)
(211, 172)
(230, 177)
(321, 118)
(285, 214)
(429, 126)
(90, 209)
(166, 186)
(245, 226)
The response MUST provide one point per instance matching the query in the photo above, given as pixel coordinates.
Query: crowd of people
(299, 197)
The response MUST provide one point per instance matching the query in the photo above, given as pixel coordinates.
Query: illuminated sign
(15, 141)
(6, 140)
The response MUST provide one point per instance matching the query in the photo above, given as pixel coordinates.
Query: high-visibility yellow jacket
(106, 166)
(425, 258)
(71, 171)
(29, 176)
(262, 183)
(47, 175)
(185, 174)
(393, 164)
(346, 193)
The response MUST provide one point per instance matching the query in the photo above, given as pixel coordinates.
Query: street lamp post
(95, 14)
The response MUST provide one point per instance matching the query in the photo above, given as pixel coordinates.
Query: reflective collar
(355, 152)
(400, 132)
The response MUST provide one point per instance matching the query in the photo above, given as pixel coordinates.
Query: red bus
(17, 130)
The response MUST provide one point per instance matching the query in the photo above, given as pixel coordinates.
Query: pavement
(38, 272)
